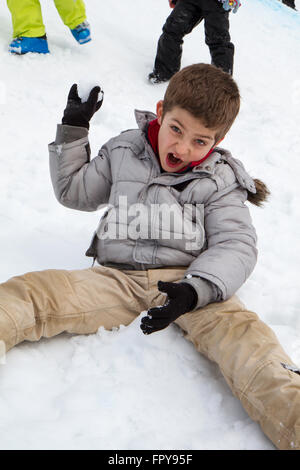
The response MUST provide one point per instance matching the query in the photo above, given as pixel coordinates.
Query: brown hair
(207, 93)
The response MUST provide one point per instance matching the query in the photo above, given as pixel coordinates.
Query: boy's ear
(159, 111)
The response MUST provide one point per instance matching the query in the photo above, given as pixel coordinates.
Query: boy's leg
(253, 364)
(50, 302)
(72, 12)
(217, 37)
(27, 18)
(184, 17)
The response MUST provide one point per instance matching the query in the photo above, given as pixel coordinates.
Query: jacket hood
(143, 118)
(257, 191)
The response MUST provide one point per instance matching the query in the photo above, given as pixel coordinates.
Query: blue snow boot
(22, 45)
(82, 33)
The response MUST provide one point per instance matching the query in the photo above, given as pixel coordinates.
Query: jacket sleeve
(78, 183)
(231, 253)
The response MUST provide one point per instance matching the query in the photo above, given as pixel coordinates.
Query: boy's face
(182, 138)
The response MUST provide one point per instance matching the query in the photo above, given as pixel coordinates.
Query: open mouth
(173, 161)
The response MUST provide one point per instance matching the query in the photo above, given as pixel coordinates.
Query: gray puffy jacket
(218, 244)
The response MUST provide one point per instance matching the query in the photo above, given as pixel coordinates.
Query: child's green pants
(27, 17)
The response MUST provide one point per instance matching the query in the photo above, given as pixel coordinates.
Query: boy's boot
(23, 45)
(82, 32)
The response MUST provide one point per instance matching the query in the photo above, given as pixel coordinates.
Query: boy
(28, 28)
(176, 223)
(186, 15)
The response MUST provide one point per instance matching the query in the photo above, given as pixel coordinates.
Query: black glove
(78, 113)
(182, 298)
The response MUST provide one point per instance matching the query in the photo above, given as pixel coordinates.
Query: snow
(120, 389)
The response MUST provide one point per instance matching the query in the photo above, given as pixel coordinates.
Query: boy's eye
(200, 142)
(175, 129)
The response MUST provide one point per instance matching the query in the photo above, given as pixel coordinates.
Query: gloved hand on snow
(231, 5)
(78, 113)
(182, 298)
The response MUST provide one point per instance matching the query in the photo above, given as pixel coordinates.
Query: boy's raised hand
(78, 113)
(182, 298)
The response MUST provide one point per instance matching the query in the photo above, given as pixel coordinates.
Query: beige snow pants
(248, 353)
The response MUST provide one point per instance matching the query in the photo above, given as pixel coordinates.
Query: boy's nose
(182, 149)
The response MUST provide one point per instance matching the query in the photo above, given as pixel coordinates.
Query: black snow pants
(184, 17)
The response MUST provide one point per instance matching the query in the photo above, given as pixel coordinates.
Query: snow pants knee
(186, 15)
(256, 368)
(27, 17)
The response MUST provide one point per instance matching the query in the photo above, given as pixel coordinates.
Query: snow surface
(119, 389)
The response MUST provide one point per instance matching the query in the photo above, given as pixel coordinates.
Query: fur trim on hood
(261, 195)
